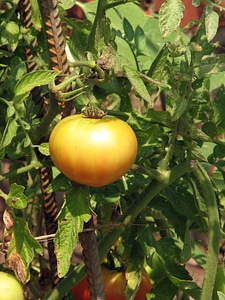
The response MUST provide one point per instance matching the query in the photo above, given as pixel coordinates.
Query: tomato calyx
(92, 111)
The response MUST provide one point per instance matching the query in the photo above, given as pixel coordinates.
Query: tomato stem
(93, 111)
(214, 234)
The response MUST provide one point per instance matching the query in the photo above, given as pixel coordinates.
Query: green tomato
(10, 288)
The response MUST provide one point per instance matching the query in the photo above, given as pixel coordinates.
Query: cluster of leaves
(130, 60)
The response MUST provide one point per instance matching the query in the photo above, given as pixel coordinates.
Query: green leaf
(135, 80)
(221, 295)
(128, 30)
(73, 214)
(181, 102)
(66, 4)
(194, 151)
(16, 197)
(211, 65)
(21, 250)
(170, 15)
(210, 129)
(60, 183)
(140, 40)
(26, 84)
(219, 152)
(211, 21)
(78, 39)
(36, 19)
(9, 132)
(109, 194)
(188, 287)
(44, 149)
(18, 67)
(165, 290)
(10, 111)
(219, 108)
(158, 70)
(12, 33)
(186, 250)
(134, 277)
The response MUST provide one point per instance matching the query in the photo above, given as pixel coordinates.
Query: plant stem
(152, 190)
(112, 4)
(214, 234)
(98, 17)
(34, 165)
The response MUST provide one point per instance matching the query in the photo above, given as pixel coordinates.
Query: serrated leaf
(210, 129)
(44, 149)
(133, 276)
(128, 30)
(18, 67)
(186, 251)
(221, 295)
(73, 214)
(180, 105)
(78, 39)
(36, 19)
(170, 15)
(16, 197)
(9, 132)
(165, 290)
(26, 84)
(218, 151)
(12, 33)
(60, 183)
(187, 286)
(158, 70)
(211, 65)
(10, 111)
(219, 108)
(21, 249)
(140, 40)
(66, 4)
(135, 81)
(109, 194)
(211, 22)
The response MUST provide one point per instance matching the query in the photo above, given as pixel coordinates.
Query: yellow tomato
(10, 287)
(93, 152)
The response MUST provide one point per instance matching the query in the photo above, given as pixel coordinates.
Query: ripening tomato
(144, 288)
(93, 152)
(10, 287)
(114, 286)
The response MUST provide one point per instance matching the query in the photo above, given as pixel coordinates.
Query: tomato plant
(11, 288)
(114, 286)
(164, 77)
(93, 152)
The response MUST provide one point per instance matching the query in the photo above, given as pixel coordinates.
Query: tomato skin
(114, 286)
(10, 287)
(80, 291)
(144, 288)
(93, 152)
